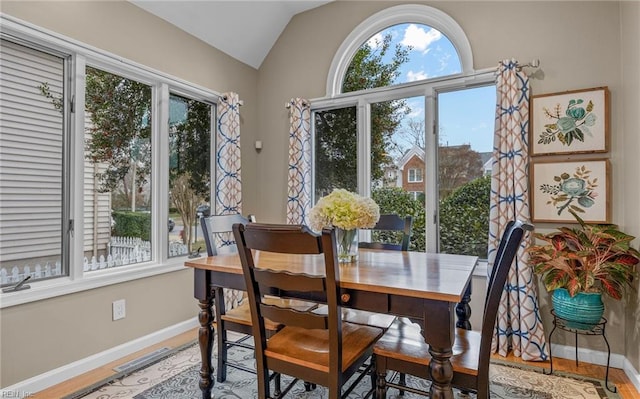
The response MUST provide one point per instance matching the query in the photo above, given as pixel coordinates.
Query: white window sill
(91, 280)
(481, 269)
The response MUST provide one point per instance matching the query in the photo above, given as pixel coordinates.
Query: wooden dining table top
(436, 276)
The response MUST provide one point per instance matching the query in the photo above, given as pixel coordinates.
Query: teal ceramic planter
(583, 311)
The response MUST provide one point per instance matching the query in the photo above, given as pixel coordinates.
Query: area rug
(176, 377)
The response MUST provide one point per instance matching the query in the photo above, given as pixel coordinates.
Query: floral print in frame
(570, 122)
(581, 186)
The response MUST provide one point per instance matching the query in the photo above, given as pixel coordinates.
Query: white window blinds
(31, 151)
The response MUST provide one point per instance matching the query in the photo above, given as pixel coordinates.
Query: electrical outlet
(119, 309)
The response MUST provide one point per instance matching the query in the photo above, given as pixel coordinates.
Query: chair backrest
(291, 239)
(392, 223)
(507, 250)
(215, 226)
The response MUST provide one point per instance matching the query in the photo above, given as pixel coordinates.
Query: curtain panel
(228, 181)
(519, 326)
(299, 174)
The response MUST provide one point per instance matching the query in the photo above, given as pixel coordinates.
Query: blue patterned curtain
(228, 181)
(299, 181)
(519, 326)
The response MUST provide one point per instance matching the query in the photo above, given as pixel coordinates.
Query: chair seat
(354, 316)
(310, 348)
(241, 314)
(405, 342)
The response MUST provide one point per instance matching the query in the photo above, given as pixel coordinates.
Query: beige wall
(579, 47)
(41, 336)
(630, 162)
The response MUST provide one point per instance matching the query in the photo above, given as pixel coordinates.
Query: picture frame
(570, 122)
(580, 185)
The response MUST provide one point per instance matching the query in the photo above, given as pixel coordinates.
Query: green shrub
(464, 219)
(132, 224)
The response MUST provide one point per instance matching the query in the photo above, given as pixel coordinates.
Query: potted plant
(579, 264)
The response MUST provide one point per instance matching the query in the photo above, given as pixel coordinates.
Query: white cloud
(420, 39)
(444, 61)
(413, 76)
(375, 41)
(482, 126)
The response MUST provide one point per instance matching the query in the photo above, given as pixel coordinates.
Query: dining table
(430, 288)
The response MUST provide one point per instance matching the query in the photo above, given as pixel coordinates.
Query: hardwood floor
(626, 390)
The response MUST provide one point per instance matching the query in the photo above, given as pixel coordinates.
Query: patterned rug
(176, 377)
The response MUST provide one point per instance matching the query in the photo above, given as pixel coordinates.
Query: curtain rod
(290, 103)
(225, 98)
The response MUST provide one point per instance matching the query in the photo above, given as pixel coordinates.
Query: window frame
(429, 88)
(401, 14)
(79, 56)
(416, 171)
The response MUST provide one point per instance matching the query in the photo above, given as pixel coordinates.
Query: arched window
(410, 25)
(402, 123)
(399, 54)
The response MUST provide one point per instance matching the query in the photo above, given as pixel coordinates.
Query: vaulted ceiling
(245, 30)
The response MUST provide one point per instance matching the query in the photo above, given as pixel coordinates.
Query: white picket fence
(122, 251)
(38, 271)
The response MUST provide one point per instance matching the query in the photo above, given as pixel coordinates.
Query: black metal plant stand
(582, 329)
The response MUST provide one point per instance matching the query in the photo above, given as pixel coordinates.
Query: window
(464, 155)
(190, 127)
(403, 70)
(85, 182)
(336, 143)
(414, 175)
(32, 168)
(117, 170)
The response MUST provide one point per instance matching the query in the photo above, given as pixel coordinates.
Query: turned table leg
(463, 310)
(204, 294)
(439, 333)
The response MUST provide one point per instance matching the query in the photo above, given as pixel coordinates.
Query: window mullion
(431, 170)
(364, 148)
(76, 172)
(160, 172)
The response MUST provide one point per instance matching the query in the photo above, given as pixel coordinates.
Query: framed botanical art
(560, 186)
(570, 122)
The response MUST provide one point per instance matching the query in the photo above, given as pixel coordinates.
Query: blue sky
(465, 117)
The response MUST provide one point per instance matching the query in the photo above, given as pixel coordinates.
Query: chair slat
(288, 281)
(293, 317)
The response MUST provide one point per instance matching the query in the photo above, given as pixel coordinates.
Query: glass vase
(347, 245)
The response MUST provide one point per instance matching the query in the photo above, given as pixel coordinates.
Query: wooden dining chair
(317, 348)
(394, 225)
(236, 318)
(403, 349)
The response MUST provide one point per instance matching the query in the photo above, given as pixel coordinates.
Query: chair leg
(277, 385)
(381, 380)
(403, 382)
(221, 374)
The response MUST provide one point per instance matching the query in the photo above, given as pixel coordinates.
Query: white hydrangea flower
(345, 210)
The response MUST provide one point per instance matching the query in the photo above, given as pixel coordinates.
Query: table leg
(463, 310)
(439, 331)
(204, 294)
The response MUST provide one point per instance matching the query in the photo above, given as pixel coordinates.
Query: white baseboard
(632, 373)
(600, 358)
(588, 355)
(43, 381)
